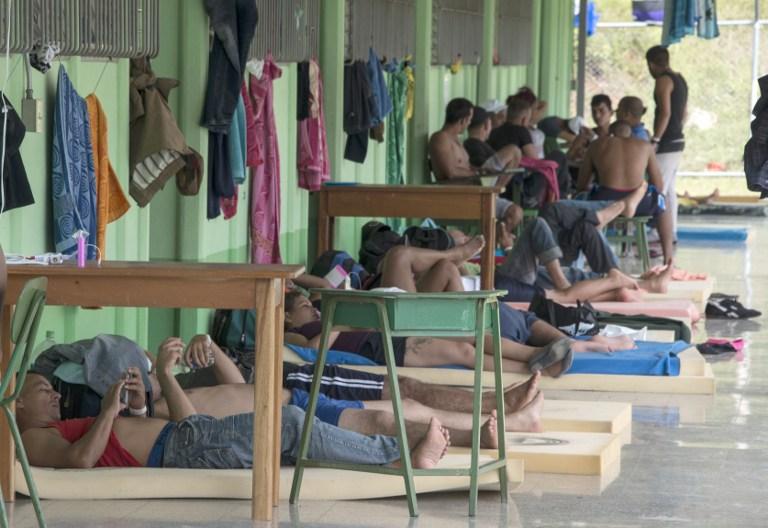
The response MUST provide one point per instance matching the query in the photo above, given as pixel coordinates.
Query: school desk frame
(454, 314)
(179, 285)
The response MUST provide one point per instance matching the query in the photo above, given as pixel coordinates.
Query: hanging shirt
(111, 202)
(357, 110)
(312, 158)
(15, 182)
(73, 179)
(381, 104)
(398, 91)
(265, 187)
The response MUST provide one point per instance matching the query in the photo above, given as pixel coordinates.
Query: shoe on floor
(719, 308)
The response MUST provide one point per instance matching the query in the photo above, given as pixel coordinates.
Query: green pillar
(332, 39)
(419, 132)
(485, 89)
(534, 68)
(193, 77)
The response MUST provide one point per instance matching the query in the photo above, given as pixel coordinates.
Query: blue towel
(334, 357)
(648, 359)
(73, 176)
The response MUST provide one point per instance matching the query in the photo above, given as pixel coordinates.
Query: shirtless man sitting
(190, 440)
(451, 163)
(621, 163)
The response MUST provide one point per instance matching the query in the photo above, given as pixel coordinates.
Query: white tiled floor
(694, 461)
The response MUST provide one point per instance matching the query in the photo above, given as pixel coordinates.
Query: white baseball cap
(493, 106)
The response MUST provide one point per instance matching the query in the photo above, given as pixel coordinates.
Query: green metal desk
(458, 314)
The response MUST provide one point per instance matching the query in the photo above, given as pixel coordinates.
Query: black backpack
(330, 259)
(376, 239)
(576, 320)
(428, 238)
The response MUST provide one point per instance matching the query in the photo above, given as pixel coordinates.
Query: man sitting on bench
(621, 163)
(451, 163)
(190, 440)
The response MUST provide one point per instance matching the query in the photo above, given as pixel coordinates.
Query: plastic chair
(26, 319)
(621, 225)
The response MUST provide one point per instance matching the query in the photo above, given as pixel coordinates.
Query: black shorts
(517, 291)
(338, 382)
(373, 349)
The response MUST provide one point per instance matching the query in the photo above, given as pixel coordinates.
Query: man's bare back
(448, 156)
(620, 164)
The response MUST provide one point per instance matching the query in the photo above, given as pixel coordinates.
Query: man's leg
(665, 227)
(669, 162)
(442, 277)
(431, 352)
(536, 243)
(401, 263)
(382, 422)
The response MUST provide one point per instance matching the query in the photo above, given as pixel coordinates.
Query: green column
(419, 131)
(332, 33)
(193, 76)
(534, 68)
(485, 89)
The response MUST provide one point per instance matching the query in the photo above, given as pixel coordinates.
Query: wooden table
(179, 285)
(443, 202)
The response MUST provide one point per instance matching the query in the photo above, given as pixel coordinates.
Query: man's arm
(529, 151)
(224, 369)
(169, 355)
(586, 171)
(654, 171)
(663, 93)
(46, 447)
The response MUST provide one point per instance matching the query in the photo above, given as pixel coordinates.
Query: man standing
(671, 96)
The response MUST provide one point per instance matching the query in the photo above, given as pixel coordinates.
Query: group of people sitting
(205, 420)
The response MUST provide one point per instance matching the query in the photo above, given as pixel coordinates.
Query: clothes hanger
(103, 69)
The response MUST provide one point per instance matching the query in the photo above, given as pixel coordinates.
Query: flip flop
(553, 353)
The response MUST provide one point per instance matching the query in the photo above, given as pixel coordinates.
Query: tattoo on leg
(417, 345)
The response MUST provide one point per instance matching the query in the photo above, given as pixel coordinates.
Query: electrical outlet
(32, 114)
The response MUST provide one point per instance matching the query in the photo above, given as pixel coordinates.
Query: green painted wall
(173, 227)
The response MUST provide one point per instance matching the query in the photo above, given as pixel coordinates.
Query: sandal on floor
(553, 353)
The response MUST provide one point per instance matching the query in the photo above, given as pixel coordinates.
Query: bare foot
(468, 250)
(518, 396)
(605, 216)
(489, 434)
(660, 282)
(527, 419)
(633, 200)
(621, 342)
(432, 447)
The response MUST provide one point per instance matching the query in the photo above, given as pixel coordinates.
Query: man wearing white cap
(497, 111)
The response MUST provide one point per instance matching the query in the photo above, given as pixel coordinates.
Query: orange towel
(111, 203)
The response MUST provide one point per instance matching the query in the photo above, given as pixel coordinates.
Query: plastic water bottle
(45, 345)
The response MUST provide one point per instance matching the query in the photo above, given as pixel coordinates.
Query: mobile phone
(124, 391)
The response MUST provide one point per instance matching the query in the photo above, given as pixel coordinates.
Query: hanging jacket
(358, 110)
(380, 101)
(15, 182)
(158, 148)
(265, 183)
(756, 149)
(312, 157)
(73, 181)
(398, 88)
(111, 202)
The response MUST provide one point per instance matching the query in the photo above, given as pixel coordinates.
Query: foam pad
(318, 483)
(679, 309)
(696, 291)
(586, 416)
(567, 453)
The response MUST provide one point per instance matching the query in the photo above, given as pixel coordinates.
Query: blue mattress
(648, 359)
(723, 234)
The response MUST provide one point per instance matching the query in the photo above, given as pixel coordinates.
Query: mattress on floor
(719, 208)
(318, 484)
(680, 309)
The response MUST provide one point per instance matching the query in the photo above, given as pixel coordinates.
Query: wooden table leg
(324, 225)
(278, 357)
(7, 459)
(488, 226)
(264, 401)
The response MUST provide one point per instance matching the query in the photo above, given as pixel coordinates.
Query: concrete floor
(693, 461)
